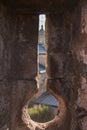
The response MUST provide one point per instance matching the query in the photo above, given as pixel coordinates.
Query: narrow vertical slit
(43, 107)
(41, 54)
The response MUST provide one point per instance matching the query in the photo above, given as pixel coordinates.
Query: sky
(42, 19)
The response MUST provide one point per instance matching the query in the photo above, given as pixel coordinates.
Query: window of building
(43, 106)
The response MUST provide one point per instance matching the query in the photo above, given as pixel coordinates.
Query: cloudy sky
(42, 19)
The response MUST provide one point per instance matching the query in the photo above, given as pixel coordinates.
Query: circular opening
(42, 113)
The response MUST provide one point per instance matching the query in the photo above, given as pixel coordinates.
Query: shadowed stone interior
(66, 41)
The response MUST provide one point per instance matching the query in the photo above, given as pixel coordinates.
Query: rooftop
(46, 99)
(42, 69)
(41, 49)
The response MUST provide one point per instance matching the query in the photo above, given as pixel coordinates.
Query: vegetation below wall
(40, 113)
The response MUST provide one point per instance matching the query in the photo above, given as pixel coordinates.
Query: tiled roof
(46, 99)
(41, 49)
(42, 69)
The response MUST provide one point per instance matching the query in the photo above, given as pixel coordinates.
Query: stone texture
(18, 66)
(58, 37)
(40, 5)
(24, 48)
(22, 91)
(63, 116)
(66, 39)
(5, 102)
(5, 39)
(62, 62)
(79, 48)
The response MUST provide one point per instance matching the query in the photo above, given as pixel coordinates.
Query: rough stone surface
(40, 6)
(62, 62)
(21, 93)
(81, 54)
(66, 39)
(5, 104)
(24, 48)
(58, 38)
(18, 66)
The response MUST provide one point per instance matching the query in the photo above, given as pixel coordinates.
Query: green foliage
(40, 113)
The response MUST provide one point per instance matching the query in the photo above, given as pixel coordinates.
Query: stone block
(55, 64)
(1, 58)
(13, 97)
(24, 61)
(57, 39)
(5, 104)
(22, 92)
(24, 48)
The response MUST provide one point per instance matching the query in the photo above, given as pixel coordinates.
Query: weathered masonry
(66, 39)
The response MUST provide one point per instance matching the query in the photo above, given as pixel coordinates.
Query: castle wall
(66, 36)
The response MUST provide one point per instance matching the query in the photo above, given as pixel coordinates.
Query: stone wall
(5, 66)
(81, 52)
(63, 78)
(18, 65)
(66, 67)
